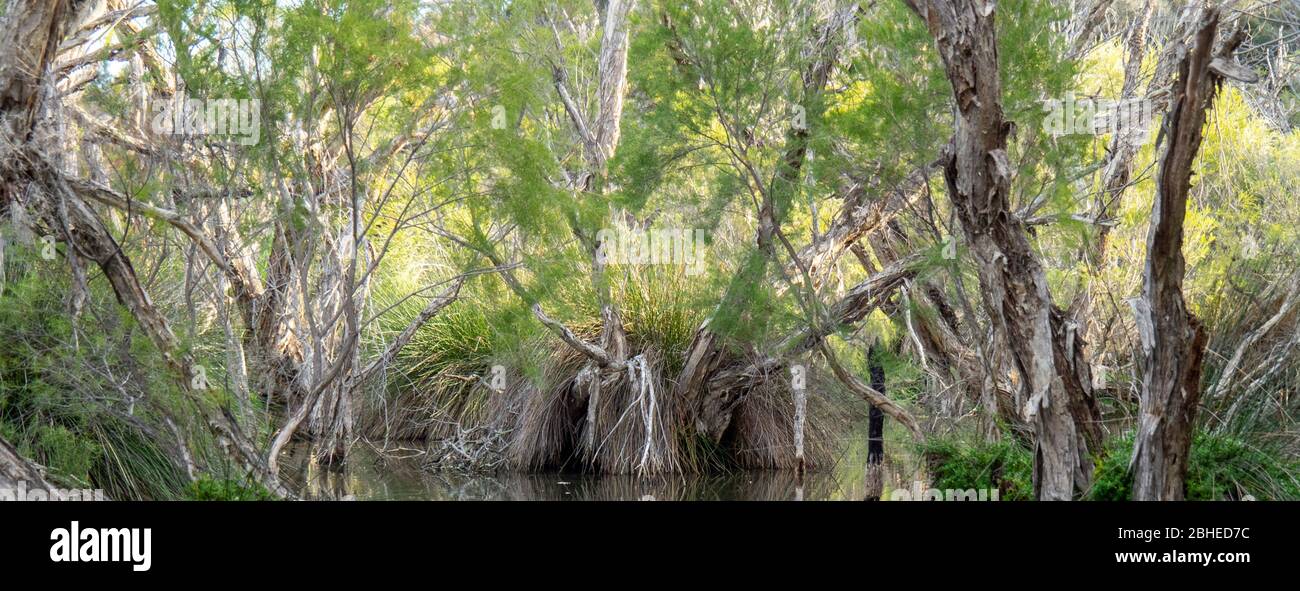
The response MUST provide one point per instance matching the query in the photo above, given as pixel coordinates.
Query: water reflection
(397, 474)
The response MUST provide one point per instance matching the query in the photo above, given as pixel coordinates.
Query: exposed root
(477, 449)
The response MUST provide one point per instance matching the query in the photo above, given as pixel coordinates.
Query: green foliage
(56, 401)
(1220, 467)
(133, 465)
(1111, 480)
(899, 86)
(211, 489)
(63, 449)
(468, 337)
(660, 310)
(957, 464)
(706, 129)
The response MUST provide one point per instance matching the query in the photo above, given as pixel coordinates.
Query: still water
(397, 474)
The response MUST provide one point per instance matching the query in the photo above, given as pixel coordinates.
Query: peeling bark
(1012, 279)
(30, 34)
(15, 469)
(1173, 339)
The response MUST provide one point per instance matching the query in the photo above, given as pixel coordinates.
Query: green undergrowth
(225, 489)
(954, 463)
(1221, 467)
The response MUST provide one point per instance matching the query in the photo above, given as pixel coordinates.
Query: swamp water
(398, 474)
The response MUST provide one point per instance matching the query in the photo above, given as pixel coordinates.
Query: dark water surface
(397, 474)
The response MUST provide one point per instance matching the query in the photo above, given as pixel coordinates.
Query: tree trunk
(727, 386)
(15, 469)
(1173, 340)
(1056, 391)
(29, 37)
(875, 430)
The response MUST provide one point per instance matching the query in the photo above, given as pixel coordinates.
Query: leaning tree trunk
(15, 469)
(1047, 355)
(30, 35)
(1173, 340)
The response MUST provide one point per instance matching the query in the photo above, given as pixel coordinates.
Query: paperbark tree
(1047, 355)
(1173, 339)
(599, 135)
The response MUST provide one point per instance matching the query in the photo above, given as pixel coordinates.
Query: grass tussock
(214, 489)
(1254, 321)
(762, 436)
(482, 399)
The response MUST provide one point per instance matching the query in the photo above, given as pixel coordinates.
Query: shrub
(959, 464)
(225, 489)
